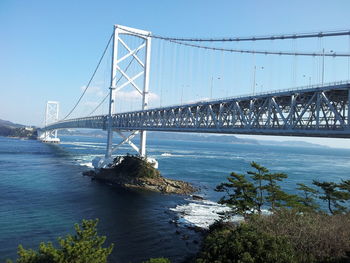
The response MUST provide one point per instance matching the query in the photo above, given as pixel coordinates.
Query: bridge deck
(322, 111)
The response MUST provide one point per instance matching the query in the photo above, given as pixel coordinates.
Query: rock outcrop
(134, 172)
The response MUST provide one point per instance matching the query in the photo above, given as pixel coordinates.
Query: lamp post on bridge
(212, 85)
(309, 78)
(323, 63)
(254, 77)
(182, 91)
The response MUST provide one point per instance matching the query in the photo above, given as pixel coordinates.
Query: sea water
(43, 192)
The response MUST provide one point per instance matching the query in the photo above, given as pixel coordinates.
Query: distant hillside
(196, 137)
(200, 137)
(10, 129)
(10, 124)
(292, 143)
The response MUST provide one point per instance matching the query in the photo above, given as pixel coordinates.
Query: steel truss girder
(322, 112)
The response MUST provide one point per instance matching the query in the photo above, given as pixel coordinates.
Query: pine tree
(333, 196)
(275, 195)
(252, 194)
(307, 200)
(345, 185)
(242, 200)
(258, 177)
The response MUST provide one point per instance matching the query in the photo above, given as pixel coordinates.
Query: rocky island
(134, 172)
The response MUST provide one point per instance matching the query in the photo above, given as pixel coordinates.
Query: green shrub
(85, 246)
(315, 237)
(244, 244)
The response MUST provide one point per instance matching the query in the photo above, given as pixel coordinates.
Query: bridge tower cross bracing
(144, 62)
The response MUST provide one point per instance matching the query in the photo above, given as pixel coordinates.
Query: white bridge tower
(51, 116)
(119, 41)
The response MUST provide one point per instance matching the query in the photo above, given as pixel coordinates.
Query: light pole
(211, 86)
(322, 66)
(323, 63)
(309, 77)
(182, 91)
(254, 78)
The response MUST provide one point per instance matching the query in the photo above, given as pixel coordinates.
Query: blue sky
(48, 49)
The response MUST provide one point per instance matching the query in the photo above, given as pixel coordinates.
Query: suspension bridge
(312, 110)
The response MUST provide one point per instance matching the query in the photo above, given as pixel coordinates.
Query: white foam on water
(85, 160)
(87, 164)
(201, 213)
(86, 144)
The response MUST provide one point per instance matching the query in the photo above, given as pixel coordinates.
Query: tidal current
(43, 192)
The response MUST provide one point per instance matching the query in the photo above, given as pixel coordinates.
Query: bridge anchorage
(312, 111)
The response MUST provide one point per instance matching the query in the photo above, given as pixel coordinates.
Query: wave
(201, 213)
(88, 164)
(85, 144)
(204, 213)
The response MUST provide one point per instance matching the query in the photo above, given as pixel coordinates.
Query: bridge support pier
(143, 143)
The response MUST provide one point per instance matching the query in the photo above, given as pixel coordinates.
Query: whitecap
(89, 164)
(201, 213)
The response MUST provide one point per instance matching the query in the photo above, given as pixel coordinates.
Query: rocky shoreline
(132, 172)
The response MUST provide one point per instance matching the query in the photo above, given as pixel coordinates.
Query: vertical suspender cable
(254, 74)
(159, 74)
(190, 72)
(271, 68)
(349, 58)
(198, 72)
(172, 93)
(220, 77)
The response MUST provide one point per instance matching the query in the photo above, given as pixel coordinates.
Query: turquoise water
(42, 191)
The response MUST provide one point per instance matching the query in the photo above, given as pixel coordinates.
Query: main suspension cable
(252, 38)
(183, 41)
(93, 75)
(265, 52)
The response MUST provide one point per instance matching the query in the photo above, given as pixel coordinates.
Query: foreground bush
(244, 244)
(316, 237)
(296, 231)
(85, 246)
(285, 236)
